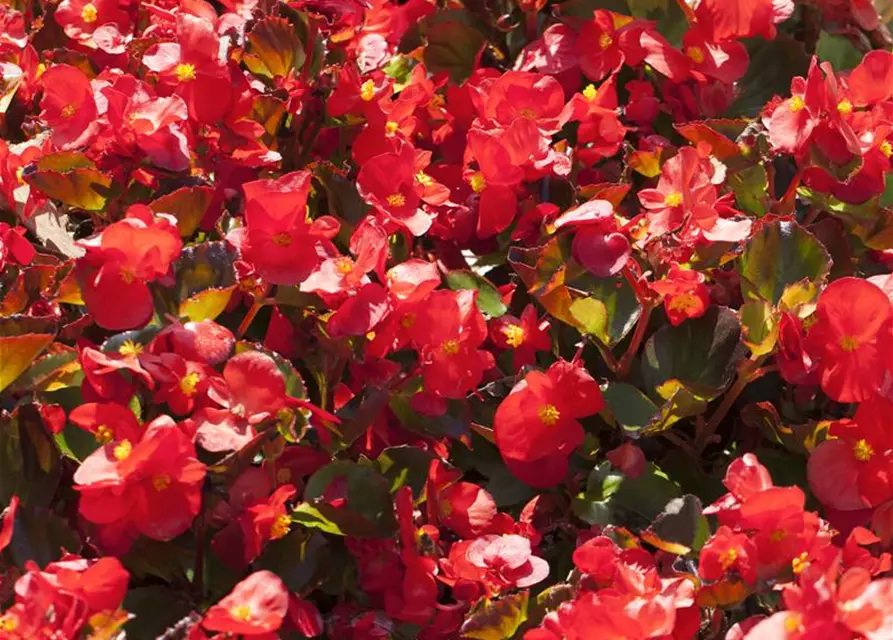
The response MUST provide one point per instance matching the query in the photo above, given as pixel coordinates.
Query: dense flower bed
(446, 319)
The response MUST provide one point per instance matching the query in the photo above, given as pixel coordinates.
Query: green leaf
(70, 178)
(188, 205)
(680, 528)
(297, 558)
(700, 355)
(839, 51)
(273, 48)
(751, 189)
(452, 46)
(488, 301)
(41, 536)
(622, 308)
(405, 465)
(30, 462)
(613, 498)
(773, 64)
(779, 254)
(496, 619)
(155, 608)
(759, 326)
(591, 316)
(368, 512)
(632, 409)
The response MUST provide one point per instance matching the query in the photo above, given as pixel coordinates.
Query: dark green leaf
(781, 253)
(489, 301)
(700, 354)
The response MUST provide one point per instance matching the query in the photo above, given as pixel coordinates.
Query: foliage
(531, 319)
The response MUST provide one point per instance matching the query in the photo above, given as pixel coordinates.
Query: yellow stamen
(344, 265)
(886, 148)
(849, 343)
(89, 13)
(9, 622)
(104, 435)
(514, 335)
(797, 104)
(185, 72)
(68, 111)
(549, 414)
(282, 239)
(241, 612)
(122, 450)
(450, 347)
(477, 182)
(281, 527)
(407, 320)
(590, 92)
(367, 90)
(863, 451)
(188, 383)
(605, 41)
(844, 107)
(673, 199)
(424, 179)
(799, 564)
(777, 536)
(130, 348)
(527, 113)
(396, 200)
(391, 127)
(696, 54)
(727, 559)
(685, 302)
(161, 482)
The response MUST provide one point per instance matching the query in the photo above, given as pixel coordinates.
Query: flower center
(396, 200)
(696, 54)
(127, 276)
(104, 435)
(130, 348)
(477, 182)
(673, 199)
(282, 239)
(797, 104)
(528, 113)
(407, 320)
(122, 450)
(777, 536)
(514, 335)
(862, 450)
(727, 559)
(281, 526)
(241, 612)
(367, 90)
(684, 302)
(161, 482)
(391, 127)
(844, 107)
(799, 564)
(549, 414)
(185, 72)
(424, 179)
(450, 347)
(68, 111)
(886, 148)
(590, 92)
(605, 41)
(9, 622)
(792, 623)
(188, 383)
(849, 343)
(89, 13)
(344, 265)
